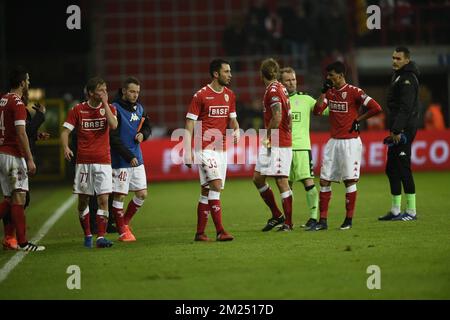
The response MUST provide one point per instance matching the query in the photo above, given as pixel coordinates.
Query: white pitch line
(18, 257)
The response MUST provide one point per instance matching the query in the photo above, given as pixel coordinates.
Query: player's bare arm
(25, 146)
(319, 106)
(68, 154)
(276, 118)
(187, 142)
(234, 124)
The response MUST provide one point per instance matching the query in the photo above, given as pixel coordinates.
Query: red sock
(216, 214)
(132, 208)
(323, 203)
(269, 199)
(10, 229)
(102, 223)
(85, 222)
(119, 217)
(350, 201)
(18, 218)
(202, 216)
(286, 199)
(5, 207)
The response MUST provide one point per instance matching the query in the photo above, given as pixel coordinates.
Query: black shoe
(30, 247)
(309, 224)
(272, 223)
(321, 225)
(388, 216)
(285, 227)
(347, 224)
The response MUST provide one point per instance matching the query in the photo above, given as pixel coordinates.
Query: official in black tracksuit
(403, 107)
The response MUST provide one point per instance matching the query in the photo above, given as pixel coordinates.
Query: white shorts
(129, 179)
(213, 166)
(93, 177)
(274, 162)
(13, 174)
(341, 160)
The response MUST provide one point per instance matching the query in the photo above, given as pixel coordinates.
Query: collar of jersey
(87, 102)
(342, 87)
(215, 90)
(271, 83)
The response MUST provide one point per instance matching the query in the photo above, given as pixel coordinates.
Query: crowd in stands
(288, 27)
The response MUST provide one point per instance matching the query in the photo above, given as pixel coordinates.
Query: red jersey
(92, 132)
(277, 93)
(12, 114)
(344, 104)
(214, 109)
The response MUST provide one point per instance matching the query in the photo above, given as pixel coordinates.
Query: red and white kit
(277, 160)
(342, 155)
(214, 110)
(93, 164)
(13, 167)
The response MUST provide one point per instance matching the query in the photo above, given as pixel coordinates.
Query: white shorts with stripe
(275, 161)
(213, 166)
(341, 160)
(129, 179)
(13, 174)
(92, 177)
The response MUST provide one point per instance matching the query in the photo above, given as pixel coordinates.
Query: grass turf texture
(165, 262)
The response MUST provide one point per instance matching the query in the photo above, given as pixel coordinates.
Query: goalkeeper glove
(328, 84)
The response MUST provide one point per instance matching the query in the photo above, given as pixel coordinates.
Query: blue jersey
(127, 130)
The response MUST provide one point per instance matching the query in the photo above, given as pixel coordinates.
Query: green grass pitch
(165, 262)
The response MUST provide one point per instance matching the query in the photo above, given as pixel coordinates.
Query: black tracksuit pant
(398, 167)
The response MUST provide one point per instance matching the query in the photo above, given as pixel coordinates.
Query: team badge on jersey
(344, 95)
(102, 111)
(226, 97)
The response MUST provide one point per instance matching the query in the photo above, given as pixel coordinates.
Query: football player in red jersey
(32, 126)
(214, 108)
(342, 156)
(92, 119)
(275, 153)
(16, 160)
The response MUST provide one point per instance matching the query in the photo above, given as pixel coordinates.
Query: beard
(25, 96)
(222, 82)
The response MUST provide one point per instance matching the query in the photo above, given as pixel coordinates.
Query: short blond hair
(286, 70)
(270, 69)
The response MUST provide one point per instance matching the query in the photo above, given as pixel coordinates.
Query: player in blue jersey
(127, 163)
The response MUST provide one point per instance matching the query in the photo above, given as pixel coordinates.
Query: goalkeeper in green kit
(302, 165)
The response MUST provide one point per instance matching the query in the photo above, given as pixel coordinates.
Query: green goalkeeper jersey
(301, 108)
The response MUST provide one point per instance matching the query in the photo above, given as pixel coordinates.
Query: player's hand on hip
(134, 162)
(68, 154)
(139, 137)
(31, 167)
(356, 126)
